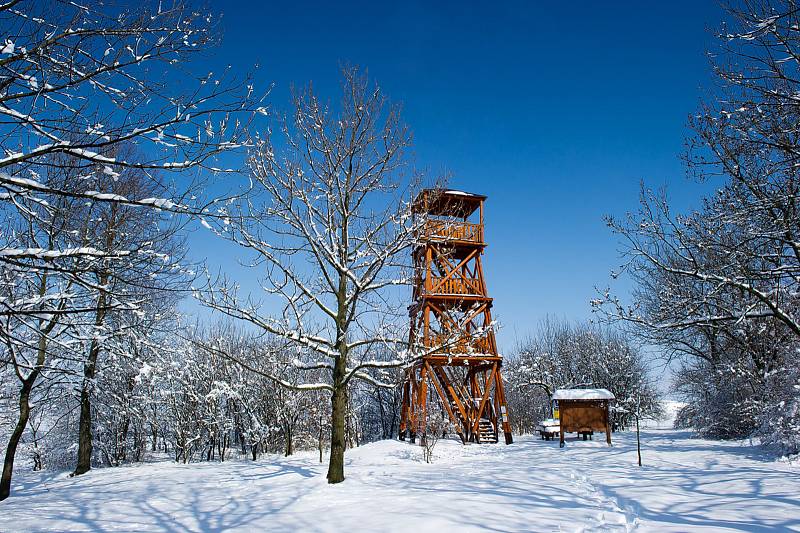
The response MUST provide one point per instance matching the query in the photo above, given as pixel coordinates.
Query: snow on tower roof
(583, 394)
(447, 202)
(455, 192)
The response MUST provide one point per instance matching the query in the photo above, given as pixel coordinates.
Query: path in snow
(686, 484)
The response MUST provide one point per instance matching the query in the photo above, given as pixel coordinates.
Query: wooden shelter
(456, 366)
(583, 411)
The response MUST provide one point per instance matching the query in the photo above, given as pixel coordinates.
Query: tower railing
(453, 231)
(444, 343)
(455, 286)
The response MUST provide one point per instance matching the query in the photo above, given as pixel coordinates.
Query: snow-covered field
(687, 484)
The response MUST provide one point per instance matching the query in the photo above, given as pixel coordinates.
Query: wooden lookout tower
(456, 369)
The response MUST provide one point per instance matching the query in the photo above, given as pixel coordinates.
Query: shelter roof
(583, 394)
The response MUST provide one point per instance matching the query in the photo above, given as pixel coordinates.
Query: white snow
(686, 484)
(161, 203)
(8, 47)
(549, 424)
(43, 253)
(106, 197)
(107, 170)
(456, 192)
(667, 421)
(582, 394)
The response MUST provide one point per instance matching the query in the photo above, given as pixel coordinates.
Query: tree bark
(90, 367)
(638, 442)
(13, 442)
(320, 447)
(339, 394)
(289, 441)
(85, 423)
(24, 399)
(338, 414)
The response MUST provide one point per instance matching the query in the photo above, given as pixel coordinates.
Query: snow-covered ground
(687, 484)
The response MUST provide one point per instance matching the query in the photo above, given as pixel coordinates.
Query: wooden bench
(549, 429)
(547, 434)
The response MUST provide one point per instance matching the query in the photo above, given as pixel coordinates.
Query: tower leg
(422, 398)
(503, 409)
(404, 410)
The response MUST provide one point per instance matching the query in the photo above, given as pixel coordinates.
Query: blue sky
(556, 111)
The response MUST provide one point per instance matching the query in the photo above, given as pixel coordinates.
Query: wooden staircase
(487, 433)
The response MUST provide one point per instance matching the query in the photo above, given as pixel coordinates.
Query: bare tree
(78, 82)
(438, 426)
(79, 85)
(35, 301)
(718, 288)
(81, 79)
(329, 223)
(149, 262)
(564, 355)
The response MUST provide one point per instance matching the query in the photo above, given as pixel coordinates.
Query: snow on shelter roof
(447, 202)
(583, 394)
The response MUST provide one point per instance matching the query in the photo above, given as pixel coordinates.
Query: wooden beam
(485, 397)
(443, 397)
(453, 270)
(449, 386)
(422, 399)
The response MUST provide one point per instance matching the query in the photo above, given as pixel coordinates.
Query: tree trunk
(85, 423)
(13, 442)
(638, 443)
(24, 398)
(289, 441)
(37, 454)
(84, 432)
(383, 417)
(90, 367)
(319, 438)
(122, 450)
(338, 430)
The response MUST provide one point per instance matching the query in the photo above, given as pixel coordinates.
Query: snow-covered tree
(35, 321)
(82, 79)
(561, 355)
(717, 289)
(328, 222)
(147, 263)
(91, 92)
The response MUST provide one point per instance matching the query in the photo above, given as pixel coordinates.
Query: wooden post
(422, 416)
(404, 409)
(450, 413)
(503, 415)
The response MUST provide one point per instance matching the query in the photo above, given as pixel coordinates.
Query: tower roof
(447, 202)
